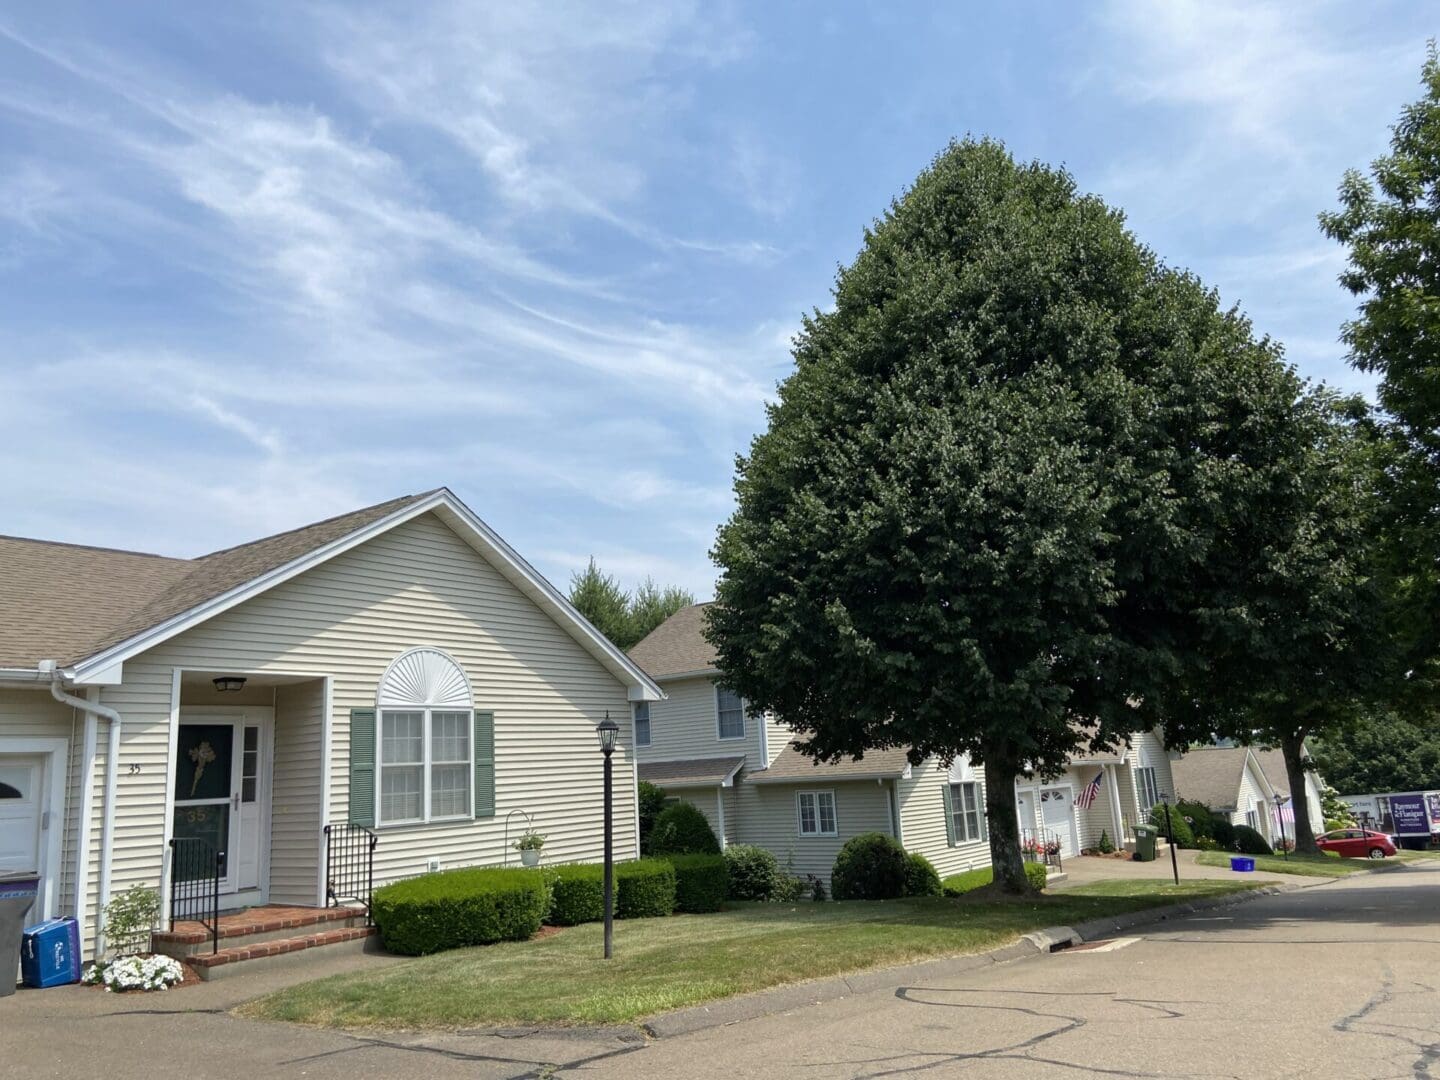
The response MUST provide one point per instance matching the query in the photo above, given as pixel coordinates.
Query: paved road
(1336, 981)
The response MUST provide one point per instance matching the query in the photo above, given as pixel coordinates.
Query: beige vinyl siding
(777, 737)
(295, 846)
(1250, 794)
(922, 819)
(1148, 749)
(685, 725)
(418, 584)
(768, 818)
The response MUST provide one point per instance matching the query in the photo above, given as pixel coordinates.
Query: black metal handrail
(1041, 845)
(350, 865)
(195, 872)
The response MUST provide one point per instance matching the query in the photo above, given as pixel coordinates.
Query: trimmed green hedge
(644, 889)
(1184, 837)
(870, 866)
(701, 882)
(577, 894)
(682, 829)
(754, 873)
(921, 877)
(1250, 842)
(456, 908)
(970, 880)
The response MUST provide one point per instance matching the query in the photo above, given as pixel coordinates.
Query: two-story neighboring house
(746, 774)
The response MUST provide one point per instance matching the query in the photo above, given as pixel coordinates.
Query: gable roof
(677, 646)
(1210, 775)
(90, 608)
(791, 766)
(1272, 764)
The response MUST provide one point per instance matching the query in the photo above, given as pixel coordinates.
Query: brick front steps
(239, 959)
(272, 934)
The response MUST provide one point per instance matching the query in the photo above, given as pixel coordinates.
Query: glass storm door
(207, 789)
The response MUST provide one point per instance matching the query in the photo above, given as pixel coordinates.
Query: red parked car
(1356, 844)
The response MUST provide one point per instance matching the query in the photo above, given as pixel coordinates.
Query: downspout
(112, 769)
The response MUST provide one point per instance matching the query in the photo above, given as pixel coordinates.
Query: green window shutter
(484, 754)
(980, 808)
(362, 767)
(949, 815)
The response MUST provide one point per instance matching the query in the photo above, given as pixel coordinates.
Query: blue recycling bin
(50, 954)
(1242, 865)
(18, 889)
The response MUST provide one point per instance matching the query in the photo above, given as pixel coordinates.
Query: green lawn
(1304, 865)
(683, 960)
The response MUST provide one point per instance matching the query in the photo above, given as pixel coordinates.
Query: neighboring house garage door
(20, 812)
(1056, 817)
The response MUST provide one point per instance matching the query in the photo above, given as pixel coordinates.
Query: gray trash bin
(18, 889)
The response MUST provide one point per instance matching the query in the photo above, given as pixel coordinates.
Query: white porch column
(1117, 818)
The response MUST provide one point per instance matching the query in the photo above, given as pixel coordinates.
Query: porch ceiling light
(226, 683)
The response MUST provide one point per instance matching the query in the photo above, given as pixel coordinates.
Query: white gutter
(112, 769)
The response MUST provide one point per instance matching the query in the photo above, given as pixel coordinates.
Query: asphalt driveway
(1335, 980)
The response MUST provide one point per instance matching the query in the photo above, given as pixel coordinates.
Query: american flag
(1086, 798)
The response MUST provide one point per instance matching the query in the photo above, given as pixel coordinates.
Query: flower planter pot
(530, 857)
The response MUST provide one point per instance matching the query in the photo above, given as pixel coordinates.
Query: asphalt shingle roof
(1210, 776)
(66, 602)
(791, 765)
(694, 772)
(677, 646)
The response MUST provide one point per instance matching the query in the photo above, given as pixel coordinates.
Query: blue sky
(263, 263)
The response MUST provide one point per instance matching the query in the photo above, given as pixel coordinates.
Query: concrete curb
(1039, 943)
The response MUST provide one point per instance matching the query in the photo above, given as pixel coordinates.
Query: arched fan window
(425, 763)
(8, 792)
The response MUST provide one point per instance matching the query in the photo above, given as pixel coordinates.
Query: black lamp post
(1170, 838)
(1280, 801)
(608, 731)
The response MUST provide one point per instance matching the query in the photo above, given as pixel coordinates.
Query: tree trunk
(1005, 857)
(1295, 772)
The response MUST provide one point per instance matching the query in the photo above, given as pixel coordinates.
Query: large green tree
(1311, 653)
(1382, 751)
(622, 617)
(1390, 221)
(1002, 501)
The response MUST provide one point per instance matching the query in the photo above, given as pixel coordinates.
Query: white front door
(1057, 816)
(221, 795)
(21, 811)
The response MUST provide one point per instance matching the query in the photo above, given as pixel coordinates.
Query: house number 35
(134, 768)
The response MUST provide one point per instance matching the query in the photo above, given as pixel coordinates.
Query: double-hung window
(425, 765)
(816, 811)
(966, 812)
(1148, 790)
(729, 714)
(642, 723)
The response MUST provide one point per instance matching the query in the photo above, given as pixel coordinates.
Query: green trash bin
(1145, 842)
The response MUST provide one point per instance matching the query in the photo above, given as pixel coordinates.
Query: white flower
(136, 973)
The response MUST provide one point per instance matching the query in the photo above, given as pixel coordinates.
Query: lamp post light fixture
(608, 732)
(1170, 837)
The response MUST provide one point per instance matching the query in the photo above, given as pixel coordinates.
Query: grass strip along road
(662, 964)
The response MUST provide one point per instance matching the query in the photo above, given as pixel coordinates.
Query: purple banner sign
(1411, 816)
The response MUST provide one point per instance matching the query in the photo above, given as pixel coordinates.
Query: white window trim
(834, 813)
(635, 708)
(729, 738)
(1140, 792)
(957, 807)
(426, 761)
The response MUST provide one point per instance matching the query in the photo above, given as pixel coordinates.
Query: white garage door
(20, 812)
